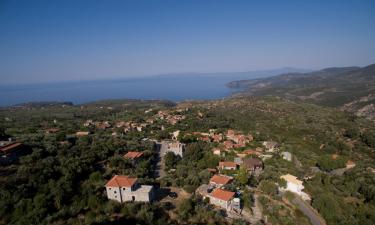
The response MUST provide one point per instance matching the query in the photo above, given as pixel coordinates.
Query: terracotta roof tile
(9, 147)
(219, 179)
(133, 155)
(222, 194)
(121, 181)
(227, 164)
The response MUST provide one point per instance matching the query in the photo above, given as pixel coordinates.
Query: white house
(287, 156)
(126, 189)
(294, 185)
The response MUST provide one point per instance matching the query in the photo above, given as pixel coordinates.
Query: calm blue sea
(171, 87)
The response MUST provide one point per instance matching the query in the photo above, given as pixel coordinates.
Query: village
(240, 158)
(125, 188)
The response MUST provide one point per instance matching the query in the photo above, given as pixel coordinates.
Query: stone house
(222, 198)
(176, 147)
(217, 196)
(252, 165)
(126, 189)
(271, 146)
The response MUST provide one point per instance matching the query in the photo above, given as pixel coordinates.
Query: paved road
(159, 170)
(309, 211)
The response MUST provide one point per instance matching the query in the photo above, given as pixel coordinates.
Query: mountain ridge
(350, 89)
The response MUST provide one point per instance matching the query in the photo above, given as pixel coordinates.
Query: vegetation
(62, 180)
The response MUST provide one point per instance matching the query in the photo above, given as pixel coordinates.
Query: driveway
(309, 211)
(159, 167)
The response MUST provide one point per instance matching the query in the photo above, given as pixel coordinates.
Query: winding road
(309, 211)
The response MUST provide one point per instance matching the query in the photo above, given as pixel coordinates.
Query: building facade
(176, 147)
(126, 189)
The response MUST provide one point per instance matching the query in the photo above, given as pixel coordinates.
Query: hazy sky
(67, 40)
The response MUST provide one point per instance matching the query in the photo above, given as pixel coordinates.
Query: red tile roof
(222, 194)
(133, 155)
(219, 179)
(121, 181)
(251, 152)
(227, 164)
(9, 147)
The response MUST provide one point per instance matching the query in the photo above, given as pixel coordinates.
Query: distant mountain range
(237, 75)
(348, 88)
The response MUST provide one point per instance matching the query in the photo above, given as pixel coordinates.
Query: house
(350, 164)
(217, 196)
(176, 147)
(88, 123)
(228, 145)
(217, 137)
(240, 139)
(216, 151)
(82, 133)
(271, 146)
(228, 165)
(133, 156)
(294, 185)
(52, 130)
(287, 156)
(220, 180)
(253, 165)
(238, 160)
(175, 135)
(126, 189)
(10, 151)
(249, 152)
(222, 198)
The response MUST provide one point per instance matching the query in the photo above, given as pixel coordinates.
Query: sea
(176, 87)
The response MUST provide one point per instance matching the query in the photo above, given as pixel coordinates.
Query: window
(123, 189)
(115, 192)
(110, 188)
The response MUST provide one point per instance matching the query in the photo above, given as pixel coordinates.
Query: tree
(171, 160)
(242, 176)
(268, 187)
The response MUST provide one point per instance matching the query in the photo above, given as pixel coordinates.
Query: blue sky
(43, 41)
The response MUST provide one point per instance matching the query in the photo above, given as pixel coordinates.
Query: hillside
(76, 168)
(349, 88)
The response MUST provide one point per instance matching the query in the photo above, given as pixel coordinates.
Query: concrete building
(176, 147)
(127, 189)
(287, 156)
(222, 198)
(294, 185)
